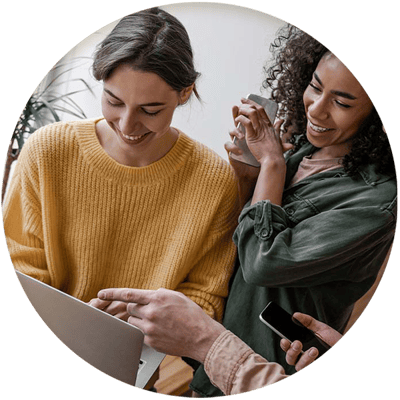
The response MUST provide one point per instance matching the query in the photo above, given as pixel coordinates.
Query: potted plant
(44, 107)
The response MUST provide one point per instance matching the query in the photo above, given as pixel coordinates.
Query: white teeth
(318, 128)
(132, 138)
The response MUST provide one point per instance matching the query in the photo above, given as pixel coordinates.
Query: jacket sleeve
(235, 368)
(208, 279)
(23, 219)
(341, 243)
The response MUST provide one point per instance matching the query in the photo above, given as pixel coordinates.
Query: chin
(313, 141)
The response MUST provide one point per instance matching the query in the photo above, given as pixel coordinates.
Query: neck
(328, 153)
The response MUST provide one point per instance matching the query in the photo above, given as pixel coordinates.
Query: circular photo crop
(199, 199)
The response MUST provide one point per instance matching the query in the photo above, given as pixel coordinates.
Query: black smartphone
(271, 109)
(287, 327)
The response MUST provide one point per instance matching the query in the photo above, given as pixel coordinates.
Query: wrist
(273, 164)
(271, 181)
(206, 341)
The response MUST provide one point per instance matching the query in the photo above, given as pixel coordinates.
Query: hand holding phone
(287, 327)
(271, 109)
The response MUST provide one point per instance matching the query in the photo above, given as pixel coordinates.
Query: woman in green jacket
(318, 225)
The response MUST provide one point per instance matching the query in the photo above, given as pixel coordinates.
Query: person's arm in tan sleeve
(235, 368)
(175, 325)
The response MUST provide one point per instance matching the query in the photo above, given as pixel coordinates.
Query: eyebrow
(337, 92)
(142, 105)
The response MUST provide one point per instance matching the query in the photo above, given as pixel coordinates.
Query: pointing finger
(139, 296)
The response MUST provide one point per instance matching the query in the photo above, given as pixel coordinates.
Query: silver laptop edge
(104, 341)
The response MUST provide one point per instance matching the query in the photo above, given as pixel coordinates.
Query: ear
(184, 95)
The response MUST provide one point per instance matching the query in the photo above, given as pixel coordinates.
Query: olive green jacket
(318, 253)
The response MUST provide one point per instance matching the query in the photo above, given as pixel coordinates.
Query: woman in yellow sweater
(127, 200)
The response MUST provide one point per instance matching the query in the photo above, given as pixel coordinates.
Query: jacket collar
(367, 172)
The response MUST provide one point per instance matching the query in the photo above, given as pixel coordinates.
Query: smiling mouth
(134, 138)
(317, 128)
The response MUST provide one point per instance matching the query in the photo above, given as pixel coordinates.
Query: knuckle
(108, 295)
(161, 294)
(150, 330)
(130, 308)
(253, 112)
(151, 314)
(126, 295)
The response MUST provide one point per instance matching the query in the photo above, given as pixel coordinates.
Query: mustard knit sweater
(79, 221)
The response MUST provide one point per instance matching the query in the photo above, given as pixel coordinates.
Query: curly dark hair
(295, 57)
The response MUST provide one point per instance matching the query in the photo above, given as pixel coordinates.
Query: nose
(318, 108)
(129, 122)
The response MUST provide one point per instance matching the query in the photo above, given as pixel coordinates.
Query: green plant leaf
(45, 104)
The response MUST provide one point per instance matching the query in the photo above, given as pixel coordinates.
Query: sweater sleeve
(23, 219)
(349, 242)
(207, 281)
(235, 368)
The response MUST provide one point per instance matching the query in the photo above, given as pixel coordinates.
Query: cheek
(351, 122)
(162, 122)
(108, 112)
(307, 98)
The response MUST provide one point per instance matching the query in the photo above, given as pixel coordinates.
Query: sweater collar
(99, 160)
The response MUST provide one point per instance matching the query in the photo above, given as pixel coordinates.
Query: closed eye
(316, 88)
(112, 104)
(339, 103)
(152, 114)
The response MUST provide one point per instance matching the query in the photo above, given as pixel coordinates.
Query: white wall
(230, 63)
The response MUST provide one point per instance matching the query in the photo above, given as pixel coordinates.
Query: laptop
(111, 345)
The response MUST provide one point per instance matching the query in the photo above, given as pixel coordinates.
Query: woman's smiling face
(138, 106)
(336, 105)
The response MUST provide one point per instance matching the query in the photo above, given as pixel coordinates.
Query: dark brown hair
(150, 41)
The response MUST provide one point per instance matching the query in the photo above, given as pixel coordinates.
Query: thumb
(307, 320)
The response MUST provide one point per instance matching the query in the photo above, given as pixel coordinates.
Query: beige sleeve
(235, 368)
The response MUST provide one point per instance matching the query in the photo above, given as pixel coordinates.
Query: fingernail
(101, 295)
(296, 346)
(313, 352)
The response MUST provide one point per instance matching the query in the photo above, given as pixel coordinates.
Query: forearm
(23, 230)
(205, 337)
(270, 182)
(235, 368)
(29, 260)
(274, 253)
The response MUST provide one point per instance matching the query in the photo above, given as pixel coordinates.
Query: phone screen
(282, 323)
